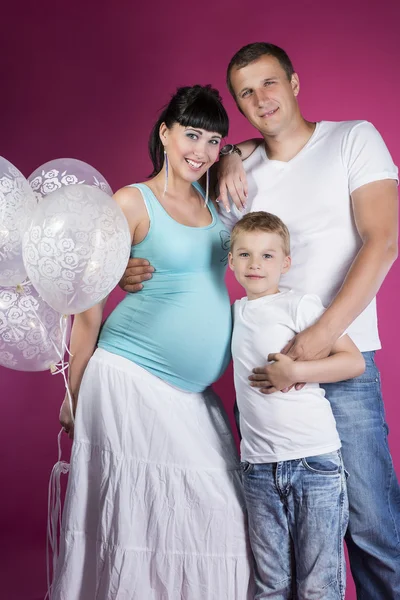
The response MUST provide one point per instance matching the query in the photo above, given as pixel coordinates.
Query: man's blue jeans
(298, 514)
(373, 535)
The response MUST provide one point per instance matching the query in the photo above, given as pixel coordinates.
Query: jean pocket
(246, 467)
(365, 378)
(323, 464)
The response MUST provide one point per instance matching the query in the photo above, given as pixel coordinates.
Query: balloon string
(61, 467)
(62, 366)
(54, 516)
(21, 290)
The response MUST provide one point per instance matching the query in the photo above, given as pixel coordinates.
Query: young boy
(293, 474)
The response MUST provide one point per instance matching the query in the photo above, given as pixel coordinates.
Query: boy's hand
(137, 270)
(279, 375)
(310, 344)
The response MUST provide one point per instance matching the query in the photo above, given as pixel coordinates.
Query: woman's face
(191, 151)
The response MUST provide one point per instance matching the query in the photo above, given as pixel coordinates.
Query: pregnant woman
(154, 507)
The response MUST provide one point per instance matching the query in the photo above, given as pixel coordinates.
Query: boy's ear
(230, 261)
(286, 264)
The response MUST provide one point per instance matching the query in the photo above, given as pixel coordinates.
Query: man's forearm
(361, 285)
(247, 147)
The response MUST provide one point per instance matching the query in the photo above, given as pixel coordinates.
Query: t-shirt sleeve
(366, 156)
(309, 310)
(234, 309)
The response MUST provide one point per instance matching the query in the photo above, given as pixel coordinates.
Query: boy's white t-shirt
(279, 426)
(311, 194)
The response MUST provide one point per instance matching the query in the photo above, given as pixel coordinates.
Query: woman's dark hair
(197, 106)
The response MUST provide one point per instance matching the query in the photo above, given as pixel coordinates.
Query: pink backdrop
(85, 80)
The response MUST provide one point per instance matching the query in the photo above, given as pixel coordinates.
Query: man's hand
(232, 179)
(137, 270)
(310, 344)
(279, 375)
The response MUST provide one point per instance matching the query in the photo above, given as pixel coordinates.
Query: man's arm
(375, 207)
(344, 362)
(231, 175)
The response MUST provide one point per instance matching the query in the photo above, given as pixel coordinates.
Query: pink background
(85, 80)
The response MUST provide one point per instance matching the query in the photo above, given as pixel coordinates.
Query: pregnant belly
(183, 340)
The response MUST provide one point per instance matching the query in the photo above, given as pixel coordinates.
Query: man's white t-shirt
(311, 194)
(278, 426)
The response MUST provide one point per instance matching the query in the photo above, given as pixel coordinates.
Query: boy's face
(258, 261)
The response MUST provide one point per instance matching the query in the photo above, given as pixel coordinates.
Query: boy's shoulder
(284, 297)
(288, 299)
(301, 309)
(301, 298)
(307, 311)
(238, 304)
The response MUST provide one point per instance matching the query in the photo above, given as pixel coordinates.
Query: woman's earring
(166, 172)
(207, 186)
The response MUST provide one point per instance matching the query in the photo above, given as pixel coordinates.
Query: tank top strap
(149, 199)
(211, 206)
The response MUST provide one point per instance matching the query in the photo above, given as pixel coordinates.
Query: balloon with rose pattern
(76, 248)
(30, 331)
(60, 172)
(17, 203)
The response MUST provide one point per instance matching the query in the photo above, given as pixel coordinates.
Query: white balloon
(60, 172)
(76, 248)
(30, 331)
(17, 203)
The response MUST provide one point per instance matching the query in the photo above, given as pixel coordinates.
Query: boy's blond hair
(262, 221)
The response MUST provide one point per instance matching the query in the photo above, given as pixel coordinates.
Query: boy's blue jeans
(373, 535)
(298, 514)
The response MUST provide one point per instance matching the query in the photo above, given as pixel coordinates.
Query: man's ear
(295, 83)
(230, 261)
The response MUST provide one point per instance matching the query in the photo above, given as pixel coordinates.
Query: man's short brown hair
(262, 221)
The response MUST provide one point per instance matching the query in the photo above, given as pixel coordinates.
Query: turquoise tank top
(178, 326)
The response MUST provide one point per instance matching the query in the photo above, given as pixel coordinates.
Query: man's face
(266, 96)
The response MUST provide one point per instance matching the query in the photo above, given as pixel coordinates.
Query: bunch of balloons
(64, 245)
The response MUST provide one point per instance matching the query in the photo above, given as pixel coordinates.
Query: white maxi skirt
(154, 507)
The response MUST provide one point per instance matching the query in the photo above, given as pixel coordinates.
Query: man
(334, 185)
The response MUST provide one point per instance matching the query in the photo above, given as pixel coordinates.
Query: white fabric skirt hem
(154, 507)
